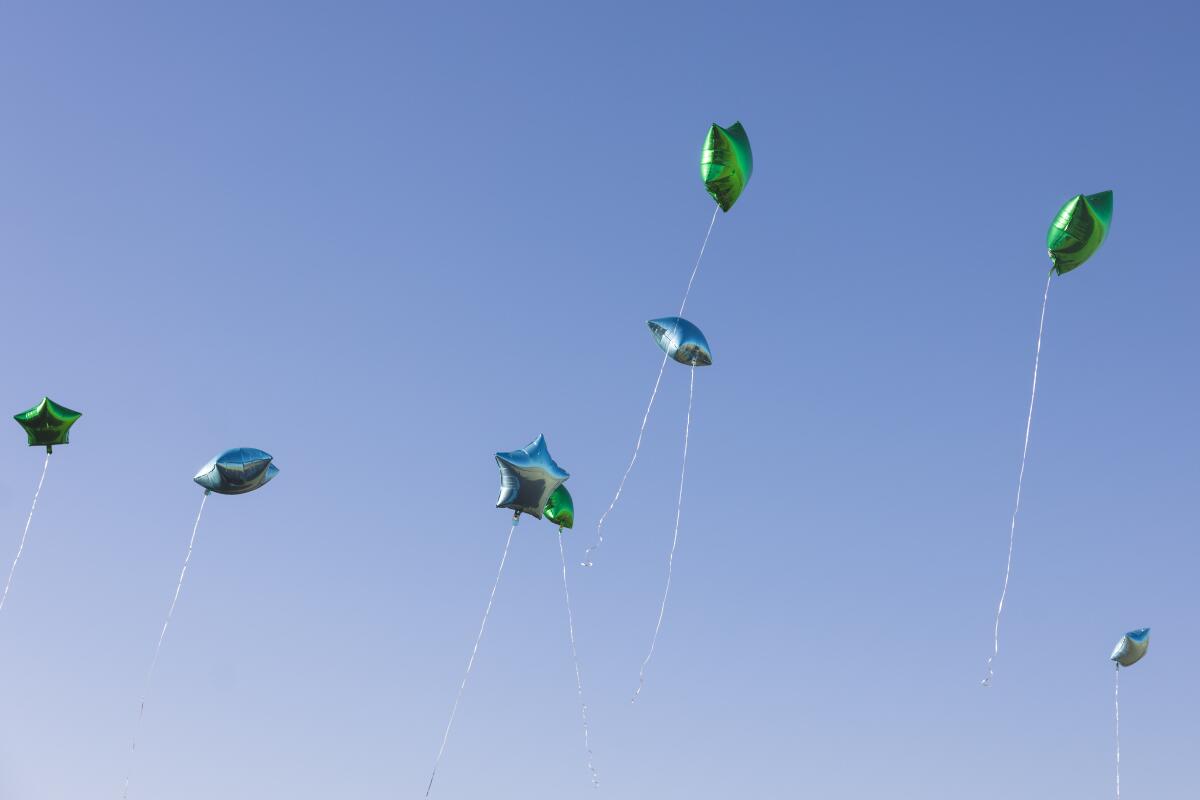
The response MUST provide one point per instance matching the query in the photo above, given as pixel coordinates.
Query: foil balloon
(528, 477)
(726, 163)
(1078, 230)
(1131, 648)
(47, 424)
(1128, 652)
(560, 508)
(681, 340)
(237, 471)
(530, 483)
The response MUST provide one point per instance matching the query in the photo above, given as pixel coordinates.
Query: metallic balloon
(1078, 230)
(528, 477)
(47, 424)
(681, 340)
(237, 471)
(1131, 648)
(726, 163)
(560, 508)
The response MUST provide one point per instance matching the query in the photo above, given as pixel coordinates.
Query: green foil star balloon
(726, 163)
(47, 424)
(560, 508)
(1078, 229)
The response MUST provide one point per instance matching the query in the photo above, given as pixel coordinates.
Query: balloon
(47, 424)
(528, 477)
(681, 340)
(1078, 229)
(237, 471)
(560, 508)
(726, 163)
(1131, 648)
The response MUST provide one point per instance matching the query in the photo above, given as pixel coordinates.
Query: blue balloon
(528, 477)
(681, 340)
(237, 471)
(1131, 648)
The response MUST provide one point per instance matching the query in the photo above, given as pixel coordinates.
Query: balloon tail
(583, 709)
(1117, 710)
(674, 542)
(471, 662)
(21, 547)
(587, 560)
(158, 647)
(1012, 530)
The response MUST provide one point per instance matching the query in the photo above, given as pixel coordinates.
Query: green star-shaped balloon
(1078, 230)
(726, 163)
(47, 424)
(560, 508)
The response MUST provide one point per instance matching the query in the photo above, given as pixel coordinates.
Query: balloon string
(158, 647)
(1012, 531)
(587, 560)
(674, 541)
(583, 709)
(21, 547)
(587, 554)
(471, 662)
(1117, 709)
(696, 268)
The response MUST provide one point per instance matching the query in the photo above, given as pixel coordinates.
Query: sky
(384, 241)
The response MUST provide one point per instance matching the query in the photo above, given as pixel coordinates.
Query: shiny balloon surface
(1078, 230)
(726, 163)
(681, 340)
(47, 423)
(528, 477)
(237, 471)
(560, 508)
(1131, 648)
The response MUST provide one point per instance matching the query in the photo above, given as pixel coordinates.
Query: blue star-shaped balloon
(528, 477)
(1131, 648)
(681, 340)
(237, 471)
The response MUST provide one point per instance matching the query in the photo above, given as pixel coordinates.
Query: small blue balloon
(528, 477)
(1132, 647)
(681, 340)
(237, 471)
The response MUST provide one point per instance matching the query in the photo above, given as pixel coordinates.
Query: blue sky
(384, 242)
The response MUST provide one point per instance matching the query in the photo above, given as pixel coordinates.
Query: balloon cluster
(531, 483)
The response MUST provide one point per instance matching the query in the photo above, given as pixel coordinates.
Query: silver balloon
(237, 471)
(528, 477)
(681, 340)
(1132, 647)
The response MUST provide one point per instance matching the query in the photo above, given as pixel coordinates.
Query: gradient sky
(383, 242)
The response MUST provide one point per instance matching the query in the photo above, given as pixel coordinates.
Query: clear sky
(383, 242)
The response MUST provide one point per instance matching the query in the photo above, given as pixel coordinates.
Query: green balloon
(1078, 229)
(560, 508)
(47, 423)
(726, 163)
